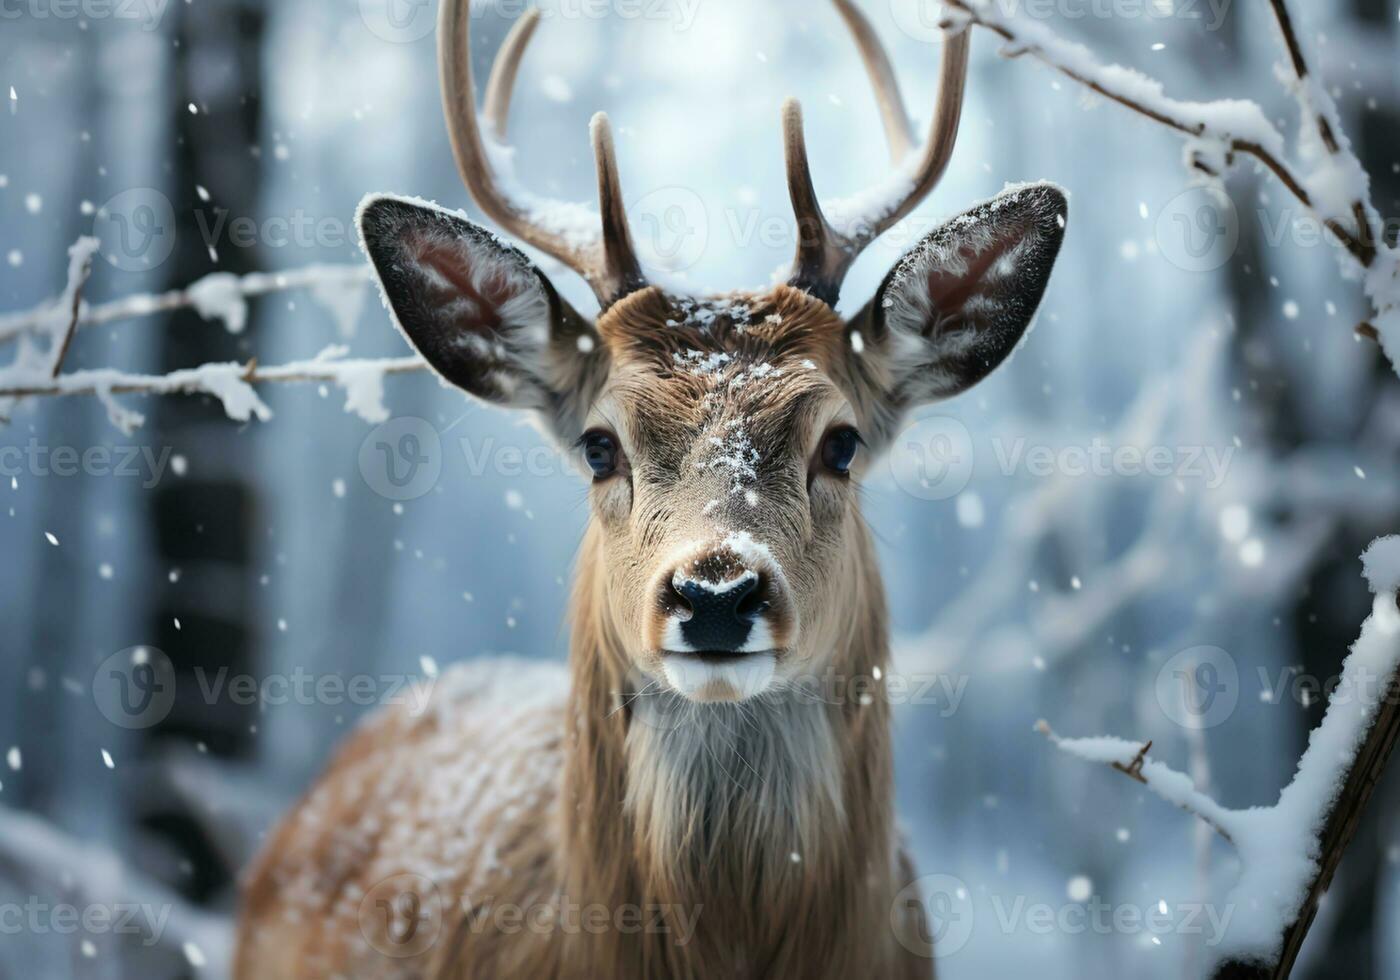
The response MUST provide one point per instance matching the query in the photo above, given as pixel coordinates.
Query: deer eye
(839, 449)
(601, 452)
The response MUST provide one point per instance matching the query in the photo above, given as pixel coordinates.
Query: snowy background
(1212, 337)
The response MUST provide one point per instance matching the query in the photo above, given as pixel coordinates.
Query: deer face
(725, 436)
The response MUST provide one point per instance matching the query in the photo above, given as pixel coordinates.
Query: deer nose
(718, 617)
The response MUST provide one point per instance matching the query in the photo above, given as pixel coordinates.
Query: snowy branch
(221, 296)
(230, 382)
(1289, 851)
(1336, 191)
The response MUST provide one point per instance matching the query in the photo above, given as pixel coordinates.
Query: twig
(15, 325)
(188, 381)
(1367, 240)
(1133, 770)
(75, 302)
(1169, 113)
(1161, 779)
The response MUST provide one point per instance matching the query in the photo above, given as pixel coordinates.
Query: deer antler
(604, 256)
(825, 252)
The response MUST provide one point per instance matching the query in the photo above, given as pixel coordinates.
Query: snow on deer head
(725, 434)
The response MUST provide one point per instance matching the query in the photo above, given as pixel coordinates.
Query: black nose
(721, 615)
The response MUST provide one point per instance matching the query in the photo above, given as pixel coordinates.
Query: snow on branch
(1289, 851)
(219, 295)
(36, 370)
(57, 321)
(230, 382)
(1335, 187)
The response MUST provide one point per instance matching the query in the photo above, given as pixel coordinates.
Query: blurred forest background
(1213, 329)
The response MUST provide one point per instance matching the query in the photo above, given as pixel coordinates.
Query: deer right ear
(956, 305)
(478, 310)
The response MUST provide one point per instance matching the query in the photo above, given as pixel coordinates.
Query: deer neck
(783, 801)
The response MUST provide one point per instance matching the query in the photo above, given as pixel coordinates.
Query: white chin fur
(734, 679)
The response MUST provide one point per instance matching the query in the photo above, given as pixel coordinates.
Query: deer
(700, 792)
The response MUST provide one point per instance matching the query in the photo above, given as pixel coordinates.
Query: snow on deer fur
(1278, 845)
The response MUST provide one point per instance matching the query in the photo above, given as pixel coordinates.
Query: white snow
(1381, 562)
(219, 296)
(1278, 845)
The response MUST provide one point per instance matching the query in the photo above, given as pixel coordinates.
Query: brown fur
(790, 868)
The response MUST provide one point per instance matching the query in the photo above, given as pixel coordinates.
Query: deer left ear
(479, 311)
(958, 303)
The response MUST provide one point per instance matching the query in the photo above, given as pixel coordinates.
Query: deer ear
(478, 310)
(957, 304)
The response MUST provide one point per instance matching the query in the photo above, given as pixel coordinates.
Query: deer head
(725, 435)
